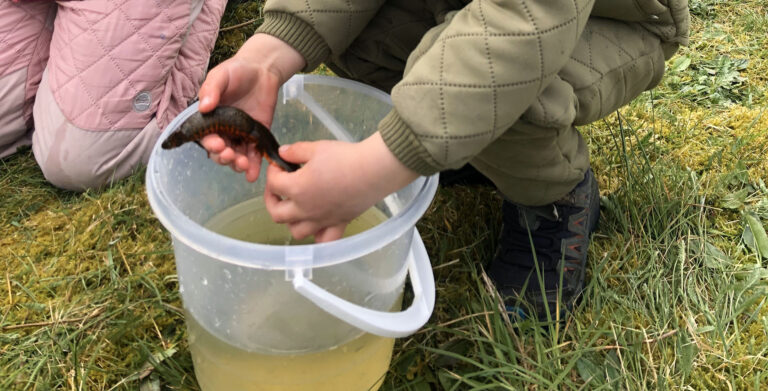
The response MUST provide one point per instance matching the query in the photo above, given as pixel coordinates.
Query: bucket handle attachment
(385, 324)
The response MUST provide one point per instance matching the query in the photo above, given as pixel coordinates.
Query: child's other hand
(338, 182)
(250, 80)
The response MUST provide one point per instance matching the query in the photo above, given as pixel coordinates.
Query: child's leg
(541, 165)
(379, 54)
(118, 73)
(543, 156)
(25, 35)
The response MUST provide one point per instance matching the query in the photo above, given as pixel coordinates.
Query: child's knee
(77, 159)
(76, 173)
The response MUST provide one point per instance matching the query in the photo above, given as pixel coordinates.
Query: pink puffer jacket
(116, 64)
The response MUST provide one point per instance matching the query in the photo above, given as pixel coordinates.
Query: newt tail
(233, 124)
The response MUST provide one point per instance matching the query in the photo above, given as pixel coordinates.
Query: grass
(676, 293)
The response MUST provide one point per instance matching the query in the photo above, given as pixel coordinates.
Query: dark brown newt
(233, 124)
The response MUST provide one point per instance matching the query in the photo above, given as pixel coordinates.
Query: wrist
(385, 172)
(405, 146)
(274, 55)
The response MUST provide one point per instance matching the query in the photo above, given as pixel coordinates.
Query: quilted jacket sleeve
(471, 78)
(317, 28)
(467, 81)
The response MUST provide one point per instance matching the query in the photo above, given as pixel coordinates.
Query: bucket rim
(280, 257)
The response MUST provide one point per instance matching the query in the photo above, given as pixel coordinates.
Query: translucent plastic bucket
(289, 300)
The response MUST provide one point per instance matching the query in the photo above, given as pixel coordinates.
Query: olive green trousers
(541, 157)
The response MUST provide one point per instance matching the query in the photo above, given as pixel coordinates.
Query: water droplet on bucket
(181, 289)
(227, 274)
(205, 281)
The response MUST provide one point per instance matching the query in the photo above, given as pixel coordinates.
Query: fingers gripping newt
(233, 124)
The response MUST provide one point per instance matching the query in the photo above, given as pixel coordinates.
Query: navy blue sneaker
(545, 271)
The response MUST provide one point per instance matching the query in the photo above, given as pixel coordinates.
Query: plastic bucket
(302, 299)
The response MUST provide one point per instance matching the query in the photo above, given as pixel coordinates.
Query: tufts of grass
(724, 63)
(672, 302)
(87, 279)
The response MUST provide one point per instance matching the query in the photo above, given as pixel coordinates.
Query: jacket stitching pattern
(585, 65)
(310, 12)
(538, 45)
(164, 12)
(101, 45)
(4, 39)
(138, 34)
(588, 30)
(443, 116)
(607, 38)
(350, 12)
(545, 112)
(537, 33)
(114, 63)
(631, 61)
(490, 70)
(107, 54)
(458, 137)
(472, 86)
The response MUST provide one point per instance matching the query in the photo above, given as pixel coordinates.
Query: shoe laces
(546, 234)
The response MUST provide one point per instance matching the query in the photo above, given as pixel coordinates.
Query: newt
(233, 124)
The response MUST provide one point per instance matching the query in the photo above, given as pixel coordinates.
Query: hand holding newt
(337, 180)
(250, 81)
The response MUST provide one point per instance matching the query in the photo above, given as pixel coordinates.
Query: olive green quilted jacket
(471, 77)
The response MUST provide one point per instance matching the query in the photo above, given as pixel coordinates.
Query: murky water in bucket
(360, 364)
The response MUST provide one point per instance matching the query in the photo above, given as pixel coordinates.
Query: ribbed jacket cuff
(404, 144)
(297, 33)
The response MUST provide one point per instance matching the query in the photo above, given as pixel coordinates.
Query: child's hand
(338, 182)
(250, 80)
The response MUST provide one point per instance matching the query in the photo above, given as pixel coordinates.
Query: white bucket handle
(385, 324)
